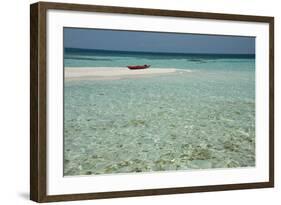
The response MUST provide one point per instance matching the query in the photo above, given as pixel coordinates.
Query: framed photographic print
(134, 102)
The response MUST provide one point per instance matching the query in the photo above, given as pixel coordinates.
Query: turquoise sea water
(186, 120)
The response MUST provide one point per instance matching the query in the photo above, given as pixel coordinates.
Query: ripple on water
(177, 122)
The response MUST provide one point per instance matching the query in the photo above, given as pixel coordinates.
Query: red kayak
(136, 67)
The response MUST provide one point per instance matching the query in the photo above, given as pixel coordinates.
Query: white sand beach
(76, 73)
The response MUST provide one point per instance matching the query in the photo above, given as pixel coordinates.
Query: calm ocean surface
(186, 120)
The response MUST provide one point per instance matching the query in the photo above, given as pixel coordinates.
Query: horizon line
(157, 52)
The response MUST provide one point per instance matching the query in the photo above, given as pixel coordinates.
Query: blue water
(95, 58)
(186, 120)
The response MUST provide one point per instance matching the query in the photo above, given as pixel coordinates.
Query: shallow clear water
(198, 120)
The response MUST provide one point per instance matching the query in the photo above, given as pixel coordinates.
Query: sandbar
(76, 73)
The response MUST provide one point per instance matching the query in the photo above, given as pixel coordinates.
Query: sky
(157, 42)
